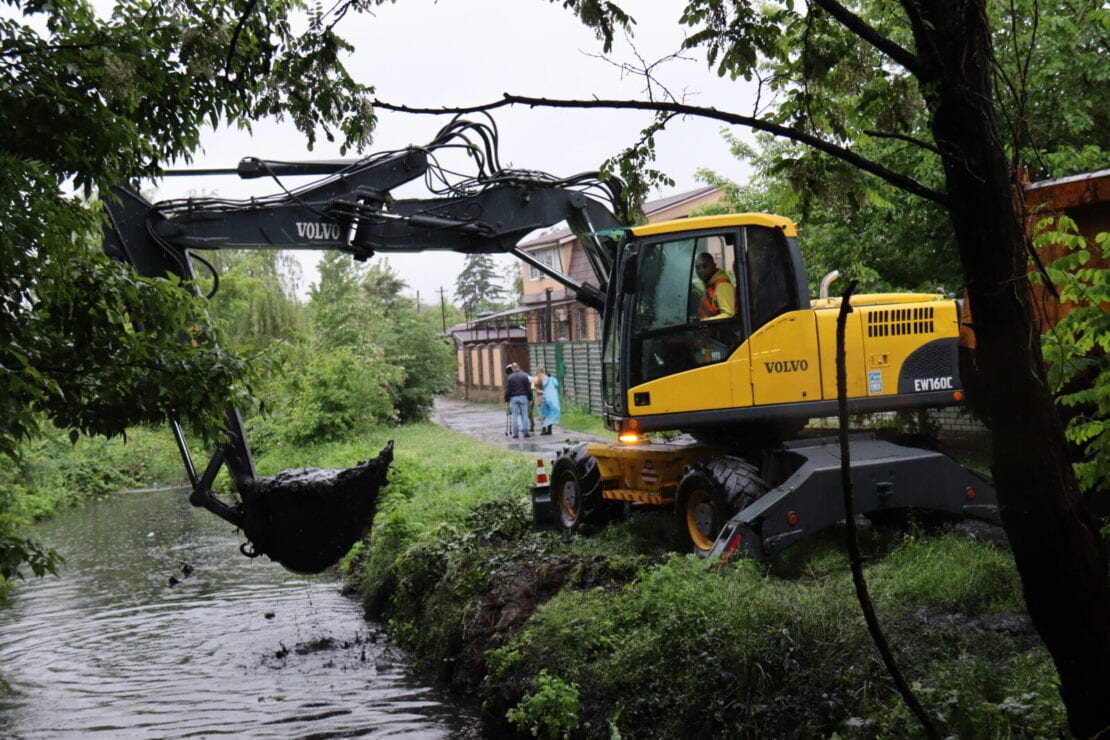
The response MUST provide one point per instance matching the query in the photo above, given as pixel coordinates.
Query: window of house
(550, 257)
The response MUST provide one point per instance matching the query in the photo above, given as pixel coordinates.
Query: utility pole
(548, 329)
(443, 307)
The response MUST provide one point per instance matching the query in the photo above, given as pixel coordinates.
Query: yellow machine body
(645, 472)
(792, 359)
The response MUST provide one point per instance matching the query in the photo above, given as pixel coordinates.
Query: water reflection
(159, 628)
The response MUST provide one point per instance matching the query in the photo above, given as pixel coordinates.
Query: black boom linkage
(350, 208)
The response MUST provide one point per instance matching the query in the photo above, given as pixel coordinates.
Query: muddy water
(236, 647)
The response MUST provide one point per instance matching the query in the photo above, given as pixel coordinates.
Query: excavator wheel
(709, 494)
(576, 488)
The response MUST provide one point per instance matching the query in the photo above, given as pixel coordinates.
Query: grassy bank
(586, 636)
(614, 633)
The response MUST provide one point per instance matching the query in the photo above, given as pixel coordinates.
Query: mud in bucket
(306, 519)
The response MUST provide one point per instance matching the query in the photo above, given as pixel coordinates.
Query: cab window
(676, 325)
(770, 275)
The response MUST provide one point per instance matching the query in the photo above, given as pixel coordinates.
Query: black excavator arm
(307, 520)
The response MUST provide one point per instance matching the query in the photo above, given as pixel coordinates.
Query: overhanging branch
(896, 179)
(903, 137)
(861, 28)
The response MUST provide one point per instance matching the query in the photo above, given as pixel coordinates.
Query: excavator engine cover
(306, 519)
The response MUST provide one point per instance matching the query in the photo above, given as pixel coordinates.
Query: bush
(551, 710)
(1077, 349)
(330, 396)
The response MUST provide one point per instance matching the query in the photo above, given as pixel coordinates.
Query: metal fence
(577, 365)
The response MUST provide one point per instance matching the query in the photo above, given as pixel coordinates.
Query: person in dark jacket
(518, 391)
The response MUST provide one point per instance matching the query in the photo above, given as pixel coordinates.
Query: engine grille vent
(897, 322)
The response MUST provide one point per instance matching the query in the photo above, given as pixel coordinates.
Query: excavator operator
(719, 299)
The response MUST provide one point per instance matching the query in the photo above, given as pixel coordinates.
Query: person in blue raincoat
(550, 411)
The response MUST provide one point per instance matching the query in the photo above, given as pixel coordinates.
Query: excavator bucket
(306, 519)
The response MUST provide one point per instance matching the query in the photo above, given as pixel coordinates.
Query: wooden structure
(1084, 199)
(483, 348)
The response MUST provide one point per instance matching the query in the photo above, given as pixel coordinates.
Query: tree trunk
(1055, 542)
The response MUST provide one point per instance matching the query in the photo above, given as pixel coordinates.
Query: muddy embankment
(615, 632)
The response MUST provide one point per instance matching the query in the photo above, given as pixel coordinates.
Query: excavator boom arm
(351, 209)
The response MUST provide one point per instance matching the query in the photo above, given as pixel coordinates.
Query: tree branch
(905, 138)
(861, 28)
(251, 5)
(855, 559)
(896, 179)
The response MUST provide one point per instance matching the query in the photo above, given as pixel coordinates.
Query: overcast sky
(425, 53)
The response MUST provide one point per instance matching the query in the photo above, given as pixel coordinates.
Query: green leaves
(602, 16)
(17, 552)
(128, 93)
(1077, 349)
(737, 35)
(550, 710)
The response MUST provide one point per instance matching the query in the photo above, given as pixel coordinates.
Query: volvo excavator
(736, 387)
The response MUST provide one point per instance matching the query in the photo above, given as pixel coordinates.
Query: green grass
(577, 418)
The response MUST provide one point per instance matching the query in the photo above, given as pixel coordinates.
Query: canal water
(158, 627)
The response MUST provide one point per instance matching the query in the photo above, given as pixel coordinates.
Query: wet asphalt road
(487, 423)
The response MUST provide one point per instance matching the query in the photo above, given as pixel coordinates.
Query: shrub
(551, 710)
(333, 395)
(1077, 349)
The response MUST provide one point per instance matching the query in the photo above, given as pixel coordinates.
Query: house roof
(486, 330)
(650, 208)
(674, 200)
(1068, 192)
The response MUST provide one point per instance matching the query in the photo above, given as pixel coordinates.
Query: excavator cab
(676, 337)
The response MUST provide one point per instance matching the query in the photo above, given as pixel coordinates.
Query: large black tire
(710, 493)
(576, 488)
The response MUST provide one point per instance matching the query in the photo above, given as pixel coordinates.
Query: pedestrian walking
(550, 410)
(518, 390)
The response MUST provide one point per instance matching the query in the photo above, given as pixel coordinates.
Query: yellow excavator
(737, 377)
